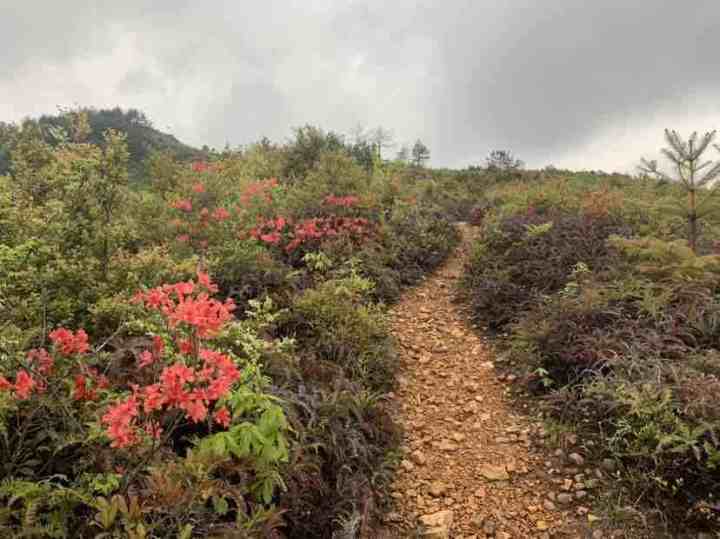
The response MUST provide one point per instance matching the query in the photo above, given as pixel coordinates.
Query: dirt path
(470, 468)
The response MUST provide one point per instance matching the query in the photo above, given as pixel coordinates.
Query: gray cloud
(572, 83)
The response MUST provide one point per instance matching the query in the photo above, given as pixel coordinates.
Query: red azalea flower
(24, 384)
(222, 416)
(146, 358)
(220, 214)
(120, 420)
(44, 360)
(69, 343)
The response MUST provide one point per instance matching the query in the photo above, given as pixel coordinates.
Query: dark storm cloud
(556, 72)
(555, 81)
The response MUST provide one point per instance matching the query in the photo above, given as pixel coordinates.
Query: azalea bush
(67, 413)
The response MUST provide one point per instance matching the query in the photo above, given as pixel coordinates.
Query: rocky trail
(473, 466)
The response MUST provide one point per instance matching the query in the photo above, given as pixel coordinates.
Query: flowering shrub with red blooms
(315, 230)
(69, 344)
(320, 228)
(195, 219)
(260, 191)
(269, 230)
(203, 166)
(88, 392)
(195, 382)
(41, 365)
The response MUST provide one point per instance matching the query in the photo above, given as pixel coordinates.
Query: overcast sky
(572, 83)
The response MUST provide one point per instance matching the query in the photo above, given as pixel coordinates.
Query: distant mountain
(142, 137)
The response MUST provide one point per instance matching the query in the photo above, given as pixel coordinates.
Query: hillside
(142, 137)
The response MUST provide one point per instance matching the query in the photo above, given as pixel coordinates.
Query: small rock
(576, 459)
(542, 525)
(448, 446)
(580, 494)
(393, 517)
(489, 526)
(437, 489)
(564, 499)
(418, 457)
(437, 525)
(494, 473)
(548, 505)
(407, 465)
(459, 437)
(503, 535)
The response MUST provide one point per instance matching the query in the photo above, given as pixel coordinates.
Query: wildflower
(183, 205)
(273, 238)
(195, 409)
(205, 281)
(81, 391)
(198, 188)
(5, 385)
(24, 384)
(69, 343)
(120, 420)
(153, 398)
(220, 214)
(222, 416)
(44, 360)
(146, 358)
(186, 347)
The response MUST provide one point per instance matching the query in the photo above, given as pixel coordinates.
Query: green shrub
(336, 323)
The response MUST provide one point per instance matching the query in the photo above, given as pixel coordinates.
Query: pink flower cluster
(41, 364)
(317, 229)
(320, 228)
(69, 344)
(181, 303)
(270, 230)
(192, 385)
(203, 166)
(190, 390)
(258, 191)
(194, 223)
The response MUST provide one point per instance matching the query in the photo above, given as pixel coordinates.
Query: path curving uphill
(470, 468)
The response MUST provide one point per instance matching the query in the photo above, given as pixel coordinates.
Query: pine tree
(694, 174)
(420, 153)
(503, 161)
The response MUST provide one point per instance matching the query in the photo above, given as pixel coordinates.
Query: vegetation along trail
(470, 468)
